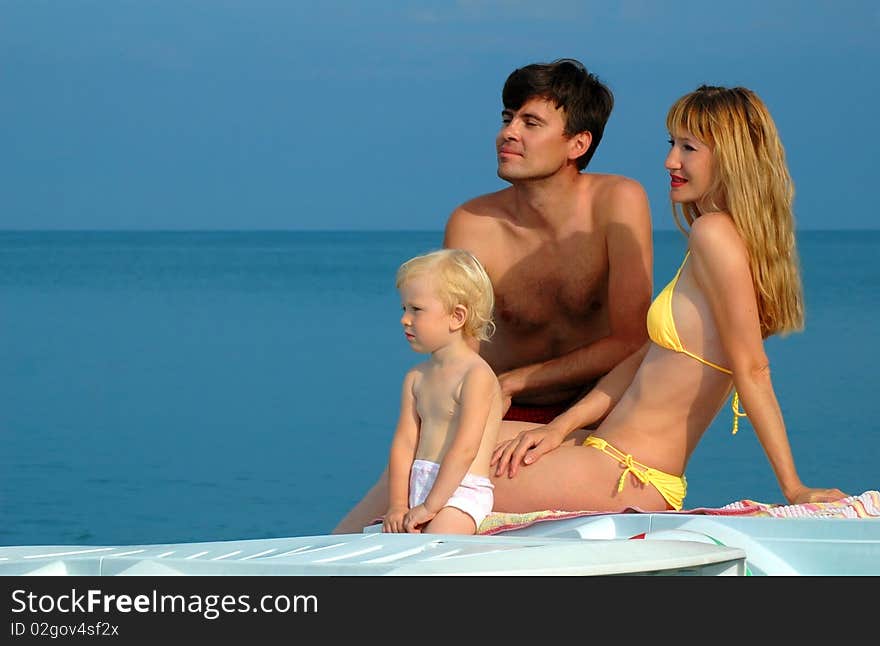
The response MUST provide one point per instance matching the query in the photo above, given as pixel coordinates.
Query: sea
(203, 385)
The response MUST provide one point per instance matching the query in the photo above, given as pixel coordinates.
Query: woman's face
(691, 168)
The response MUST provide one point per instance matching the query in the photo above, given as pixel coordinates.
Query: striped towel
(865, 505)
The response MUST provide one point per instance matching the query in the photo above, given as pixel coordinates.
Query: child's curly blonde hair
(460, 280)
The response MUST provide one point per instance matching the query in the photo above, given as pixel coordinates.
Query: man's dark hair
(587, 102)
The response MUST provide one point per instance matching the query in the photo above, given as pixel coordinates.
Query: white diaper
(474, 495)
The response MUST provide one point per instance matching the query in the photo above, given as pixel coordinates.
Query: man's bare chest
(538, 290)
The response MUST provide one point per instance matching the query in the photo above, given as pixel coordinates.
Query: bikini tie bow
(629, 463)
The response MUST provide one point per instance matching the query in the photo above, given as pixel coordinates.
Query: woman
(738, 284)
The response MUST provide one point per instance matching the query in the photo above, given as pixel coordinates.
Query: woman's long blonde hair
(752, 184)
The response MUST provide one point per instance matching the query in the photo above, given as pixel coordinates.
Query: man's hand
(506, 401)
(512, 382)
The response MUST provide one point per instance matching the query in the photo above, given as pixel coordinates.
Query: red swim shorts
(534, 414)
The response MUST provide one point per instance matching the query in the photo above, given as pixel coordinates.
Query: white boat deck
(774, 546)
(608, 544)
(377, 554)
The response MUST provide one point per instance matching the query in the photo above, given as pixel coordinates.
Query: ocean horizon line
(344, 231)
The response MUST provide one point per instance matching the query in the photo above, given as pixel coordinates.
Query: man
(569, 253)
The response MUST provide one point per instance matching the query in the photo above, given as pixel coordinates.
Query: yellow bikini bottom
(672, 488)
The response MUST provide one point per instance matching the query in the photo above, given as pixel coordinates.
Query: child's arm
(479, 390)
(401, 456)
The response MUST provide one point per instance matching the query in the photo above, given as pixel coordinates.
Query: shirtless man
(569, 253)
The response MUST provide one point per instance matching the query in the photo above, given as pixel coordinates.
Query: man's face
(531, 143)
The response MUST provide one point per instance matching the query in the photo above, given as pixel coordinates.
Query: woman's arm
(721, 269)
(528, 446)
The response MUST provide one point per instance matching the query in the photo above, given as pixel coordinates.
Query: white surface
(378, 554)
(773, 546)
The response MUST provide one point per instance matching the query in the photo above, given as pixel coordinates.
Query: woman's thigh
(573, 478)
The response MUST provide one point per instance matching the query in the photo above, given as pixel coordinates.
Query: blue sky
(259, 114)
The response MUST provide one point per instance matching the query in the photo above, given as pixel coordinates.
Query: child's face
(426, 322)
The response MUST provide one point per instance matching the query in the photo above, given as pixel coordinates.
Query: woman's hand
(526, 448)
(808, 494)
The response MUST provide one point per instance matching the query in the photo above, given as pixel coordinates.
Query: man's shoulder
(617, 197)
(486, 204)
(479, 212)
(609, 186)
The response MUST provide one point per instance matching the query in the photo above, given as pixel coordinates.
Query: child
(450, 410)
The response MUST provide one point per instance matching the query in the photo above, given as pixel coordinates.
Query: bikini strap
(734, 404)
(624, 459)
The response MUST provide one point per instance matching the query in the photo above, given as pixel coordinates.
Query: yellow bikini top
(662, 331)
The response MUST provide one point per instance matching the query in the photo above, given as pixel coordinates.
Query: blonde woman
(738, 284)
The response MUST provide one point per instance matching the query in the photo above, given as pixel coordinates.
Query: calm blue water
(163, 387)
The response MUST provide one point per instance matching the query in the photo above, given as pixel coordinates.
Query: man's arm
(630, 264)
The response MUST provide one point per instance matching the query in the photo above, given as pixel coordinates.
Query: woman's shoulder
(715, 242)
(715, 233)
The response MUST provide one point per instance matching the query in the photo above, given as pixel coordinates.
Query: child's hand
(393, 521)
(416, 518)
